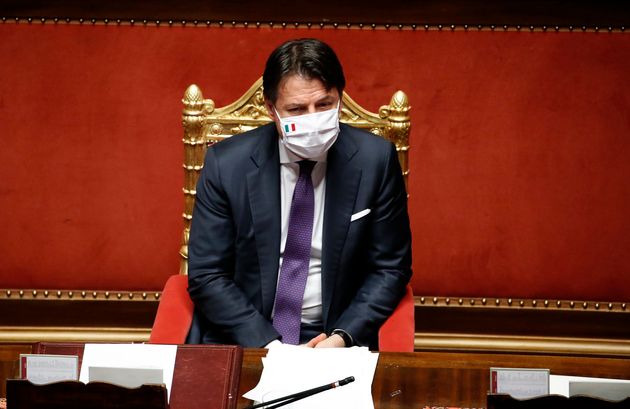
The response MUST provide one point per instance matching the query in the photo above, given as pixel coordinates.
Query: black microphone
(285, 400)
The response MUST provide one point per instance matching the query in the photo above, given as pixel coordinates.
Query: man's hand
(313, 342)
(333, 341)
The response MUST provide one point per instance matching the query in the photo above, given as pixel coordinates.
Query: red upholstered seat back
(398, 332)
(174, 314)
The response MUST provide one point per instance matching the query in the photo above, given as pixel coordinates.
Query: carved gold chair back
(204, 125)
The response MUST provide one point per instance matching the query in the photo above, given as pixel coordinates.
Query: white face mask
(310, 135)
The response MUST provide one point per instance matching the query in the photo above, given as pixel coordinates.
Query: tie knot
(306, 167)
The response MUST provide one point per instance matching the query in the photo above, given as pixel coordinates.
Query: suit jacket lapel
(342, 183)
(263, 186)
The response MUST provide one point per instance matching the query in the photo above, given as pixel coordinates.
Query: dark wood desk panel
(10, 363)
(413, 380)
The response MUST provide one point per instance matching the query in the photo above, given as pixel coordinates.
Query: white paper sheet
(289, 369)
(559, 384)
(130, 356)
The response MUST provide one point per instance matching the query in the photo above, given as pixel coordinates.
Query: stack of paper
(597, 387)
(124, 356)
(289, 369)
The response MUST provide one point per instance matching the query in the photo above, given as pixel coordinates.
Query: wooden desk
(415, 380)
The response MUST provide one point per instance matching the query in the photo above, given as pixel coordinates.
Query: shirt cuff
(347, 338)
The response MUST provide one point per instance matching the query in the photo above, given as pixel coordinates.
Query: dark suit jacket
(234, 242)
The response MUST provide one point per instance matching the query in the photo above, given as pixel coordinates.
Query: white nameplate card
(40, 369)
(127, 377)
(521, 383)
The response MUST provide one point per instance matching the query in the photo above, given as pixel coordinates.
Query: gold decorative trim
(521, 303)
(521, 344)
(65, 334)
(321, 25)
(420, 301)
(78, 295)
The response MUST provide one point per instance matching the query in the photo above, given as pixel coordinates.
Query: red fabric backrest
(174, 314)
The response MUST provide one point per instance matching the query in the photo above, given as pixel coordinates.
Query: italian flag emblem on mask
(289, 127)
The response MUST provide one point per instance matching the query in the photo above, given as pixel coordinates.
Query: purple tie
(297, 253)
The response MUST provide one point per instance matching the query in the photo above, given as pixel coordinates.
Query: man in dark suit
(300, 232)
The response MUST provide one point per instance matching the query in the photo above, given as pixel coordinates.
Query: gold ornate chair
(204, 125)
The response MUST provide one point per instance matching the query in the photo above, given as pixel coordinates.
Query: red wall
(520, 151)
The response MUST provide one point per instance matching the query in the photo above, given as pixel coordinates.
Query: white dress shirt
(289, 173)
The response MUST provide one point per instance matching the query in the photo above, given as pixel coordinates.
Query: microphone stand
(285, 400)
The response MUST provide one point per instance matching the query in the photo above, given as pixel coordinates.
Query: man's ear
(273, 115)
(270, 111)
